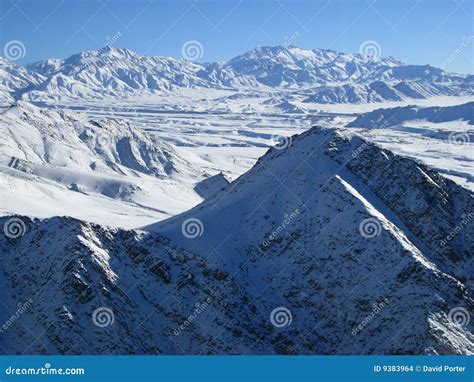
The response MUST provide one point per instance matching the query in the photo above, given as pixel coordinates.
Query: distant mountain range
(324, 76)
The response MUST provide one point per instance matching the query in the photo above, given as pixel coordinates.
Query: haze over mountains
(123, 234)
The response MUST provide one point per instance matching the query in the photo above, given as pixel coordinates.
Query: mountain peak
(117, 52)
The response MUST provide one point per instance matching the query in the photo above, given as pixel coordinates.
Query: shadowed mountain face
(328, 245)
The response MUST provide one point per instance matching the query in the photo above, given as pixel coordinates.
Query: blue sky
(436, 32)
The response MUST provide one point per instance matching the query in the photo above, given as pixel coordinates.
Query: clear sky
(436, 32)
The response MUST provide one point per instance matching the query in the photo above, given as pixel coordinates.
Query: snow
(211, 141)
(441, 137)
(104, 171)
(122, 140)
(317, 263)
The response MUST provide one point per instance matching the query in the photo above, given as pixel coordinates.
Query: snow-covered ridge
(62, 138)
(425, 203)
(14, 79)
(440, 136)
(397, 116)
(100, 170)
(327, 76)
(326, 266)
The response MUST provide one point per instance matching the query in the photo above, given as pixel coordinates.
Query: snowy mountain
(14, 80)
(110, 71)
(69, 161)
(399, 115)
(324, 76)
(291, 66)
(440, 136)
(320, 168)
(328, 245)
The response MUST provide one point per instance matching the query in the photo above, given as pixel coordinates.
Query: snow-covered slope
(442, 137)
(281, 66)
(400, 187)
(334, 221)
(331, 245)
(327, 76)
(110, 72)
(86, 168)
(14, 80)
(398, 115)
